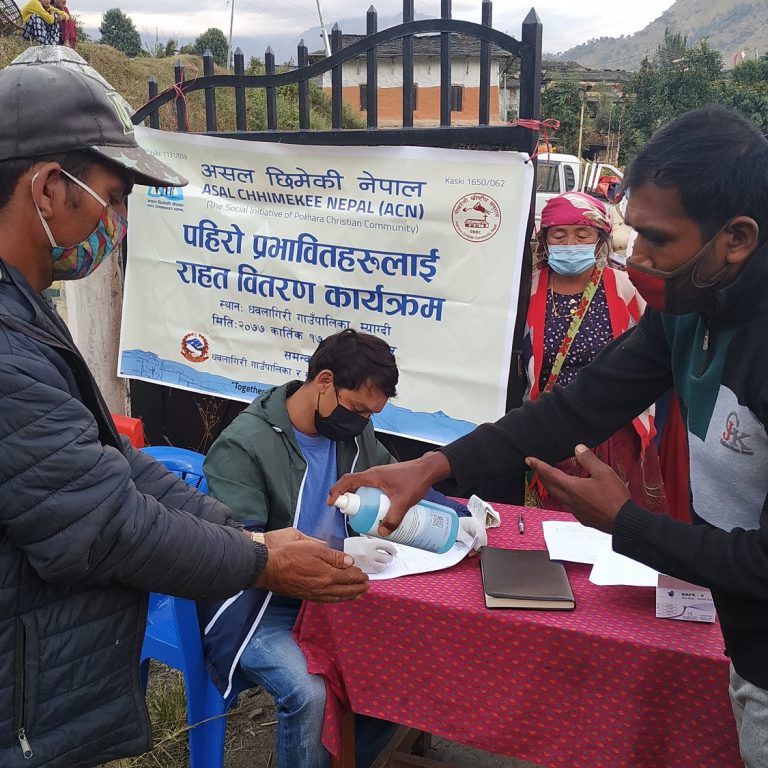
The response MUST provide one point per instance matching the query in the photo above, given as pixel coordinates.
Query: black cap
(47, 108)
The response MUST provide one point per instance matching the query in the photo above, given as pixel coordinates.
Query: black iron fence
(196, 420)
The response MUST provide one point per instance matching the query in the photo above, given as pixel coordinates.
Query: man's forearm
(435, 466)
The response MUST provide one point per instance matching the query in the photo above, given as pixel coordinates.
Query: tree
(747, 91)
(159, 49)
(82, 35)
(675, 80)
(752, 72)
(117, 30)
(751, 101)
(562, 101)
(212, 40)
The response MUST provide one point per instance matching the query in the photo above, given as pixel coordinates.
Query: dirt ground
(251, 734)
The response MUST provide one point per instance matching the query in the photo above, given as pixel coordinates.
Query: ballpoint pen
(520, 522)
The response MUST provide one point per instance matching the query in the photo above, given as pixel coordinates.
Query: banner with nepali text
(233, 280)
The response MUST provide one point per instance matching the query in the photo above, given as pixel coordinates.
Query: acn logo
(176, 194)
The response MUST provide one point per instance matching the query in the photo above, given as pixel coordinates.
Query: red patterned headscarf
(576, 208)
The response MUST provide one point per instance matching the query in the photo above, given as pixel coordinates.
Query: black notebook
(524, 578)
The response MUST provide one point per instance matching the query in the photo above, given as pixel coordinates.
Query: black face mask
(340, 424)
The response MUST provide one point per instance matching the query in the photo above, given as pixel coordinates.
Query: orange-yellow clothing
(36, 7)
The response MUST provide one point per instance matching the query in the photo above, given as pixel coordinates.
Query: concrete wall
(426, 75)
(93, 308)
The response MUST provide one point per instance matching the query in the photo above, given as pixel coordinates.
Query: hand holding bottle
(405, 484)
(426, 525)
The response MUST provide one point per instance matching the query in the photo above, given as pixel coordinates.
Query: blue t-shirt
(315, 517)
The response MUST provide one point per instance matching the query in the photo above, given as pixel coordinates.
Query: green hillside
(729, 26)
(130, 76)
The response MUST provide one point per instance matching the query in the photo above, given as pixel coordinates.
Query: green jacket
(256, 466)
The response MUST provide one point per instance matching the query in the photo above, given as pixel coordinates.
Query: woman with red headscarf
(578, 305)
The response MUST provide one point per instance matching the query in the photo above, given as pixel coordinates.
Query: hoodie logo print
(734, 438)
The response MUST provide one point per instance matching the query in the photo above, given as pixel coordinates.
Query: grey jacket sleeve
(151, 477)
(82, 511)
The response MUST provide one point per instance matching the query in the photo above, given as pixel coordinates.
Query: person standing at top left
(42, 22)
(66, 24)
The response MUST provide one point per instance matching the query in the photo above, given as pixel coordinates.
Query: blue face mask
(571, 259)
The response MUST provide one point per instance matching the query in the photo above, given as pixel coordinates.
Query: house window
(457, 98)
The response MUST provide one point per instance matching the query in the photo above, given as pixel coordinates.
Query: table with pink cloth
(605, 685)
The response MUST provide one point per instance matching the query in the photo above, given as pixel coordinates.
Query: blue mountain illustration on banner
(437, 427)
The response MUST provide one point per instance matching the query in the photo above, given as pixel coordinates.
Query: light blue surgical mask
(571, 259)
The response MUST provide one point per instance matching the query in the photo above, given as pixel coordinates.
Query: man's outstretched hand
(309, 570)
(282, 536)
(595, 500)
(405, 484)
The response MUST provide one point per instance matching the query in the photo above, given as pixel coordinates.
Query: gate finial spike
(532, 17)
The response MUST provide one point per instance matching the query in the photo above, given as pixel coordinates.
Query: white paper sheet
(573, 542)
(410, 560)
(613, 568)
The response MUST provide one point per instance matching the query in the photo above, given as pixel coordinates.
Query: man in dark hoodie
(698, 200)
(88, 525)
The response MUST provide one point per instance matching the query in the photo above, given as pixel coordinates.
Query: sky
(280, 23)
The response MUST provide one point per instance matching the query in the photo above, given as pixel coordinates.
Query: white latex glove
(371, 555)
(469, 529)
(483, 512)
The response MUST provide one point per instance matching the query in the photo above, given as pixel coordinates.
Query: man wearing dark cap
(87, 524)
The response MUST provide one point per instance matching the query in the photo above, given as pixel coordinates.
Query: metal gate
(194, 421)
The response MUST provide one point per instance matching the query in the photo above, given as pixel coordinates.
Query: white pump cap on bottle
(348, 503)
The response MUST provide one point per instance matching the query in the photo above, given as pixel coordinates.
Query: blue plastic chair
(173, 637)
(188, 465)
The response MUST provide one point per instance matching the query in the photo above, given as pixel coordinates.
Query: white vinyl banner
(234, 279)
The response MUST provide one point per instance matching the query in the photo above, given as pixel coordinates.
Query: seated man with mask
(273, 466)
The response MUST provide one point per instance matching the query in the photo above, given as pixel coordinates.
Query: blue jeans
(274, 660)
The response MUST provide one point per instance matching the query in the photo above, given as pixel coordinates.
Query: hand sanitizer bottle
(426, 525)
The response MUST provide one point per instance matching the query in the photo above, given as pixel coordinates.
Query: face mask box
(678, 599)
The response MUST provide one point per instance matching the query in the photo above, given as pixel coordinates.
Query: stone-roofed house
(603, 80)
(465, 81)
